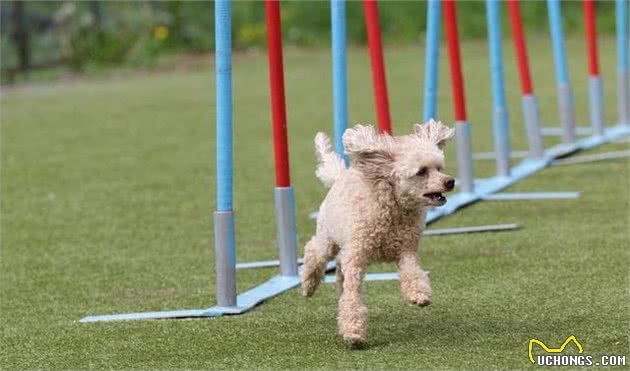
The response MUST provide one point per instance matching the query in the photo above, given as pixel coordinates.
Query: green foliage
(123, 35)
(307, 23)
(112, 33)
(190, 24)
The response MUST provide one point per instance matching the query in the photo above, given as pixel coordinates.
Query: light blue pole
(622, 33)
(225, 260)
(557, 36)
(500, 121)
(623, 75)
(565, 95)
(431, 60)
(340, 94)
(223, 40)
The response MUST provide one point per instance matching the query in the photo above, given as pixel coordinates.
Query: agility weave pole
(339, 73)
(500, 115)
(471, 189)
(565, 92)
(227, 300)
(375, 45)
(225, 256)
(431, 60)
(596, 92)
(284, 199)
(528, 99)
(623, 73)
(463, 137)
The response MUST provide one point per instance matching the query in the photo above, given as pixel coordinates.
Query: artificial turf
(106, 204)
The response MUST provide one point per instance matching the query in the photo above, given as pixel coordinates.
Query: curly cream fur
(375, 211)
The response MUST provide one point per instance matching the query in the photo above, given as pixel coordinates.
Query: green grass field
(107, 194)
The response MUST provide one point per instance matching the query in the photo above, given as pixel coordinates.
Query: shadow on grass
(432, 330)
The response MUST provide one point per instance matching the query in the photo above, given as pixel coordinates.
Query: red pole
(278, 109)
(373, 26)
(591, 36)
(520, 46)
(450, 18)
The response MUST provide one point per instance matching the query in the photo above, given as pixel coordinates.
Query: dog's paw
(354, 342)
(420, 299)
(311, 279)
(309, 287)
(353, 334)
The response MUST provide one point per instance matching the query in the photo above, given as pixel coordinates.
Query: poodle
(375, 211)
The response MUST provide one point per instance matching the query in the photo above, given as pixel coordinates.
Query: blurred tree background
(83, 35)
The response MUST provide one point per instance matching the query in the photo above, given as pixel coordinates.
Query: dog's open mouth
(436, 198)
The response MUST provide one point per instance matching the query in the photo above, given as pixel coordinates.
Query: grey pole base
(567, 112)
(225, 259)
(501, 143)
(532, 124)
(596, 106)
(623, 97)
(476, 229)
(286, 231)
(464, 156)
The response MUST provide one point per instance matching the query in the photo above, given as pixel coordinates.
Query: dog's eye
(422, 171)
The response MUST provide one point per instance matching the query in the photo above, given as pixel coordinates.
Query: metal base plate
(244, 302)
(477, 229)
(512, 196)
(492, 155)
(369, 277)
(557, 131)
(592, 158)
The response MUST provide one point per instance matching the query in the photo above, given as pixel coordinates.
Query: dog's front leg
(414, 282)
(339, 278)
(352, 316)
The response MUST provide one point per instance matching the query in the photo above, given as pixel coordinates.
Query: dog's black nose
(449, 183)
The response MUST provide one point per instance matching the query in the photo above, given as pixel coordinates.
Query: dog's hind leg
(317, 253)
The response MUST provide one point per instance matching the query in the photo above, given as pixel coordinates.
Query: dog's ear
(370, 152)
(434, 132)
(360, 139)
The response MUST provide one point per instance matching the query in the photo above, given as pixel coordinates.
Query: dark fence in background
(76, 34)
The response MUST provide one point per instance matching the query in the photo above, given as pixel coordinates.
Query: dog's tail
(331, 165)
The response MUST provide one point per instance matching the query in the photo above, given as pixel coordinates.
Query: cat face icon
(553, 350)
